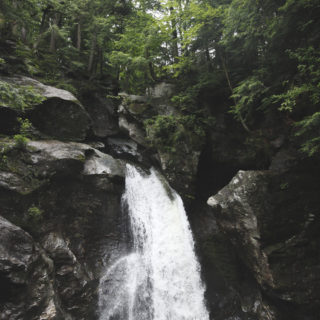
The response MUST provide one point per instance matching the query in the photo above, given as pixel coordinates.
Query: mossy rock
(54, 112)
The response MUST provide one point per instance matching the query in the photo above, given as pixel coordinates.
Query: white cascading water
(160, 278)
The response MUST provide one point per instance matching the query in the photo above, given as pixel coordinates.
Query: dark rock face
(67, 196)
(102, 113)
(8, 121)
(26, 274)
(268, 219)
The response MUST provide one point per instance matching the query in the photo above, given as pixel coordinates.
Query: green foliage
(305, 87)
(25, 127)
(284, 186)
(247, 57)
(247, 96)
(304, 94)
(308, 130)
(35, 214)
(20, 141)
(18, 97)
(168, 132)
(3, 161)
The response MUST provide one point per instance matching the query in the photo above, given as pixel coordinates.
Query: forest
(257, 59)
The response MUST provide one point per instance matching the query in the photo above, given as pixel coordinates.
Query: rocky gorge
(253, 207)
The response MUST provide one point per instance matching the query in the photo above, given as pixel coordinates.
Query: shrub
(20, 141)
(35, 213)
(166, 132)
(18, 97)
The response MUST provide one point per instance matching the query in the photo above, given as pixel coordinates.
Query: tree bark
(244, 125)
(79, 36)
(175, 50)
(150, 65)
(210, 68)
(92, 52)
(53, 36)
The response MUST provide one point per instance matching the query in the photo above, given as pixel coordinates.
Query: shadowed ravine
(160, 278)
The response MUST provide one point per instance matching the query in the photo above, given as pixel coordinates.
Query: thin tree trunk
(175, 50)
(53, 33)
(231, 89)
(150, 65)
(42, 28)
(24, 34)
(53, 39)
(101, 61)
(44, 18)
(79, 36)
(92, 52)
(209, 60)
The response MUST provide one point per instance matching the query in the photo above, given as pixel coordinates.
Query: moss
(81, 157)
(138, 108)
(35, 213)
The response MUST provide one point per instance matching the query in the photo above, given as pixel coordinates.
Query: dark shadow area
(212, 176)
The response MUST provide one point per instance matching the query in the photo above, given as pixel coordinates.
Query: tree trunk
(24, 34)
(92, 52)
(79, 36)
(44, 18)
(53, 36)
(175, 50)
(101, 61)
(244, 125)
(210, 68)
(150, 65)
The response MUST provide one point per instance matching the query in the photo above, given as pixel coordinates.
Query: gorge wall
(60, 194)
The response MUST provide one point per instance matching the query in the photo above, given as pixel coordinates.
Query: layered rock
(67, 196)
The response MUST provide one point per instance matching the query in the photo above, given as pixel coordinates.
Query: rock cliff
(60, 207)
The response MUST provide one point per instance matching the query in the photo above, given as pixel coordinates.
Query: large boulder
(58, 113)
(270, 220)
(231, 293)
(238, 205)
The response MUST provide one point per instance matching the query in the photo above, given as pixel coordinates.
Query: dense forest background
(256, 60)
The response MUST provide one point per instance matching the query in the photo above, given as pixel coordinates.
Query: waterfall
(159, 279)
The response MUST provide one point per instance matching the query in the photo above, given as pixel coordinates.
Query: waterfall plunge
(160, 278)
